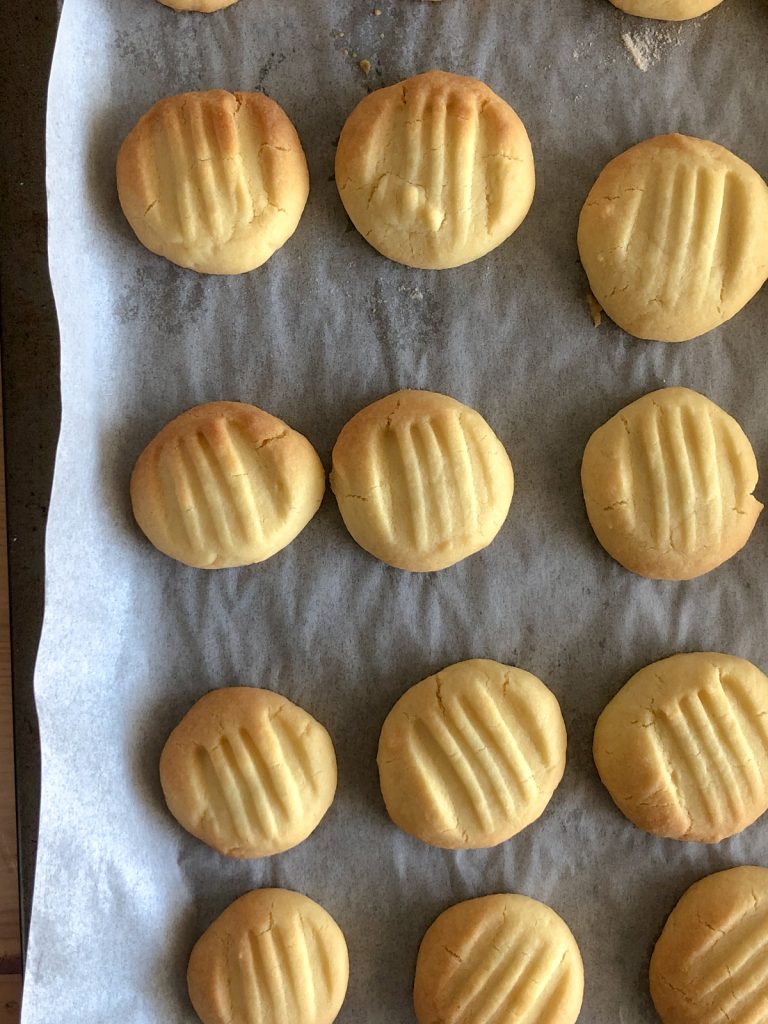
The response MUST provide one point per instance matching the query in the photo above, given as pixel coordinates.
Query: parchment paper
(132, 638)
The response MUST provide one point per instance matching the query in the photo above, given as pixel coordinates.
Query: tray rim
(29, 357)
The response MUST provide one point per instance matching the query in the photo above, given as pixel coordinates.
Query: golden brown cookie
(214, 181)
(683, 747)
(674, 237)
(226, 484)
(421, 480)
(710, 966)
(200, 6)
(666, 10)
(668, 485)
(248, 772)
(503, 959)
(435, 171)
(272, 957)
(471, 756)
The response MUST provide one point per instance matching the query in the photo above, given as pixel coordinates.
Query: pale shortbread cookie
(674, 237)
(666, 10)
(226, 484)
(421, 480)
(709, 965)
(248, 772)
(272, 957)
(214, 181)
(435, 171)
(200, 6)
(503, 959)
(683, 747)
(470, 756)
(668, 485)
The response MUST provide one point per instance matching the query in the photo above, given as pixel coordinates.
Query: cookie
(272, 957)
(683, 747)
(435, 171)
(225, 484)
(709, 965)
(248, 772)
(421, 480)
(503, 959)
(666, 10)
(674, 237)
(668, 485)
(471, 756)
(201, 6)
(214, 181)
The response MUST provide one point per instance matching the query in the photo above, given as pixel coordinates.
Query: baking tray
(30, 363)
(29, 342)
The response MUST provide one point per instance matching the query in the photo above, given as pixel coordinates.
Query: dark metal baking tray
(30, 372)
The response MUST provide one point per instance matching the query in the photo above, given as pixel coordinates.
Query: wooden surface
(10, 943)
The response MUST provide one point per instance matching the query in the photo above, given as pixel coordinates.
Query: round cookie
(248, 772)
(435, 171)
(471, 756)
(708, 966)
(674, 237)
(225, 484)
(668, 485)
(214, 181)
(421, 480)
(272, 957)
(199, 6)
(683, 747)
(666, 10)
(498, 960)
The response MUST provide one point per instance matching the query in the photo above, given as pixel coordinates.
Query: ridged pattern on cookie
(683, 747)
(719, 748)
(429, 483)
(668, 484)
(248, 772)
(274, 957)
(498, 960)
(696, 210)
(229, 496)
(201, 172)
(435, 171)
(254, 790)
(710, 964)
(438, 473)
(305, 975)
(443, 155)
(470, 756)
(226, 484)
(678, 455)
(200, 187)
(672, 234)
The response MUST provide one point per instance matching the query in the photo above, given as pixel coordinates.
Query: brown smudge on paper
(595, 309)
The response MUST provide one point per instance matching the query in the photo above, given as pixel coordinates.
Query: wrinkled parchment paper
(132, 638)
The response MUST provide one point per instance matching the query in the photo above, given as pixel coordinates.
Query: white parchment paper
(132, 639)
